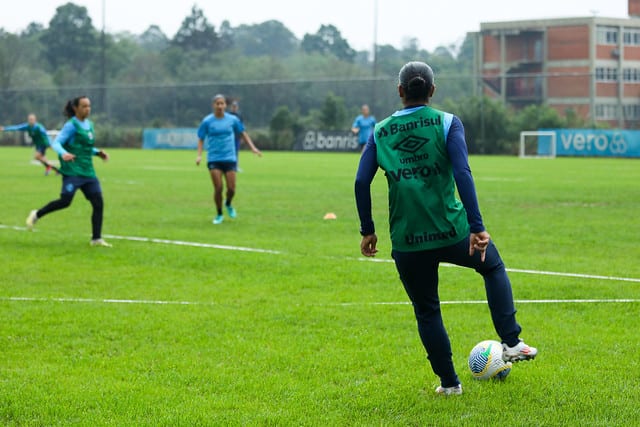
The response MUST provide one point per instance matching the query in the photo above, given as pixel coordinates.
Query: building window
(606, 74)
(607, 35)
(632, 112)
(631, 37)
(606, 111)
(631, 75)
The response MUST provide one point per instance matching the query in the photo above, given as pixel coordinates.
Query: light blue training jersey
(366, 125)
(218, 135)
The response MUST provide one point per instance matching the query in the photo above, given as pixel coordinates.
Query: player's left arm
(101, 153)
(457, 150)
(246, 138)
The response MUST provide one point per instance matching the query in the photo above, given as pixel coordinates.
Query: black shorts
(223, 166)
(88, 186)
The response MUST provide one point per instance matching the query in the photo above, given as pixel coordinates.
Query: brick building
(590, 65)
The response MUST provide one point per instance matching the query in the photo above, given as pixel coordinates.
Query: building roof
(540, 24)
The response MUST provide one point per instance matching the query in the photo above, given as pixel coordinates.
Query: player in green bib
(39, 137)
(75, 145)
(423, 153)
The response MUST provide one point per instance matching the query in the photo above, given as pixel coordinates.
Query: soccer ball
(485, 361)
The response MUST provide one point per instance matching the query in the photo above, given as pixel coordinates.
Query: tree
(153, 39)
(33, 30)
(226, 36)
(9, 57)
(328, 41)
(196, 33)
(71, 38)
(488, 125)
(270, 38)
(333, 115)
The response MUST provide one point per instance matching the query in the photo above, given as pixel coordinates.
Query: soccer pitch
(274, 318)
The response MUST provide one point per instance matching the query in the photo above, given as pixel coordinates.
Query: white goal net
(537, 144)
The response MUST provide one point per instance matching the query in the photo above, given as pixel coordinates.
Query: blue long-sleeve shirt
(457, 151)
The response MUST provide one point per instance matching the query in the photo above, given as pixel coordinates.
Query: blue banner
(178, 138)
(596, 142)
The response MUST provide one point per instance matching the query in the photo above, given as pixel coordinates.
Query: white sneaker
(100, 242)
(448, 391)
(32, 219)
(520, 351)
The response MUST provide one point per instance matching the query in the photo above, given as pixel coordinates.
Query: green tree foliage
(153, 39)
(268, 38)
(196, 33)
(487, 125)
(11, 55)
(333, 115)
(71, 40)
(328, 41)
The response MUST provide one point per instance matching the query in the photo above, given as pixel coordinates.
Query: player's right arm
(202, 135)
(66, 134)
(20, 127)
(199, 156)
(366, 172)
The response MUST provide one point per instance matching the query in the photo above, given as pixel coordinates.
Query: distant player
(235, 110)
(38, 135)
(75, 147)
(363, 126)
(218, 131)
(424, 164)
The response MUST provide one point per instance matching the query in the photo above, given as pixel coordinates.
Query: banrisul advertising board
(327, 140)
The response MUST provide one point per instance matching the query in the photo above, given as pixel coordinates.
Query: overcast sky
(433, 23)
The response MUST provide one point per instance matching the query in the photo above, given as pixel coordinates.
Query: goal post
(538, 143)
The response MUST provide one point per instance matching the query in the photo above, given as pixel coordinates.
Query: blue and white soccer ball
(485, 361)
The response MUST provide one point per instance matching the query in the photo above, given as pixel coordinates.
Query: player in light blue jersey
(38, 135)
(363, 126)
(218, 131)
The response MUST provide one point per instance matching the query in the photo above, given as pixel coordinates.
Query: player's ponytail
(416, 78)
(69, 109)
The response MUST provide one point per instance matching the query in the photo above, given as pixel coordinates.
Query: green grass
(294, 339)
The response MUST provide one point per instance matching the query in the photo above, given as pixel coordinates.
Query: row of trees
(284, 84)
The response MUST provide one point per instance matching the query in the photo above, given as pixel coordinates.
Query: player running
(424, 155)
(38, 135)
(218, 130)
(363, 126)
(75, 147)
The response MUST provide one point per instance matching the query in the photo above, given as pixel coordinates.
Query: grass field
(298, 336)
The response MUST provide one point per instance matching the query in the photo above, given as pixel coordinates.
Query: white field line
(345, 304)
(375, 260)
(192, 244)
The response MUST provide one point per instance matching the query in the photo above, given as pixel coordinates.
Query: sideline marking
(375, 260)
(343, 304)
(193, 244)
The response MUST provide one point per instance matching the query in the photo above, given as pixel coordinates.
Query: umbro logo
(411, 144)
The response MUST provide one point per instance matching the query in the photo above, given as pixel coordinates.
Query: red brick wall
(607, 89)
(632, 90)
(568, 42)
(632, 53)
(491, 48)
(605, 51)
(568, 85)
(634, 7)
